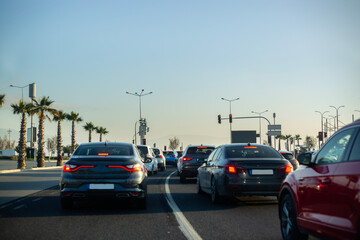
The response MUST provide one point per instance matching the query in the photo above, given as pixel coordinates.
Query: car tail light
(161, 156)
(73, 167)
(103, 154)
(231, 168)
(130, 168)
(287, 169)
(187, 158)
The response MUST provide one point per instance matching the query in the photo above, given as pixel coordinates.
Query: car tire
(182, 178)
(66, 203)
(288, 220)
(215, 197)
(198, 186)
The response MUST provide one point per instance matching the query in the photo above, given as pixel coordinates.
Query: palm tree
(89, 126)
(101, 131)
(42, 108)
(23, 109)
(287, 138)
(280, 137)
(59, 117)
(2, 99)
(297, 138)
(74, 118)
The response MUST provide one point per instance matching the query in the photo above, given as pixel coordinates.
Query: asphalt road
(39, 216)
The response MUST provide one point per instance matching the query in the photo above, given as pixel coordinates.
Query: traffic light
(219, 119)
(320, 136)
(164, 148)
(230, 118)
(144, 141)
(325, 134)
(269, 140)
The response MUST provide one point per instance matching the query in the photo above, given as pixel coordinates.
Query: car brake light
(287, 169)
(130, 168)
(250, 147)
(161, 156)
(231, 168)
(103, 154)
(187, 158)
(73, 168)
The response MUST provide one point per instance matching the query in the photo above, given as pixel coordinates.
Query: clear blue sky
(288, 57)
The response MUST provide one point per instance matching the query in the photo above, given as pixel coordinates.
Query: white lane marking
(36, 199)
(18, 207)
(184, 224)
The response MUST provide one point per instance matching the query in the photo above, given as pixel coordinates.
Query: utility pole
(9, 131)
(230, 114)
(337, 115)
(260, 121)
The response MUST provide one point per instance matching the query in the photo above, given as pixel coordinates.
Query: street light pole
(142, 123)
(230, 100)
(322, 123)
(337, 115)
(260, 121)
(22, 90)
(139, 95)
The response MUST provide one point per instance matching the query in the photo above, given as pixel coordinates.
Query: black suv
(193, 157)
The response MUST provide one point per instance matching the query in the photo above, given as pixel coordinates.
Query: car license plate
(261, 172)
(101, 186)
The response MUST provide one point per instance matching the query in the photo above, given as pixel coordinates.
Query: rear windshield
(156, 151)
(120, 150)
(169, 153)
(143, 149)
(288, 156)
(200, 150)
(251, 152)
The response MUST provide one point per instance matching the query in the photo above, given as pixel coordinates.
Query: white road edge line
(184, 224)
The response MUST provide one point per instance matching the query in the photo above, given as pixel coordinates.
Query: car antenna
(105, 143)
(248, 143)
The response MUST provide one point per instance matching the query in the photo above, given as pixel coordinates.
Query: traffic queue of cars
(318, 194)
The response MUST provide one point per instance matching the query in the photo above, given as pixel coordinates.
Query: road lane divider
(184, 225)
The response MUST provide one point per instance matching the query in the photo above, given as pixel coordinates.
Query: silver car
(160, 158)
(149, 158)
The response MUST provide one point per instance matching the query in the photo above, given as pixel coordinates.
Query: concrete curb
(28, 169)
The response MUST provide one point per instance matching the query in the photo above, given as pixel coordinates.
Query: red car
(322, 197)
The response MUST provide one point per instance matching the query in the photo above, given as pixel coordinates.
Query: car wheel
(288, 220)
(182, 178)
(215, 198)
(66, 203)
(198, 186)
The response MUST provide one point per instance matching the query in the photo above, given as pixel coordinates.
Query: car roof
(105, 143)
(281, 151)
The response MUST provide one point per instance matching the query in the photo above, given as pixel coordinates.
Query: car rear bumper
(250, 189)
(118, 192)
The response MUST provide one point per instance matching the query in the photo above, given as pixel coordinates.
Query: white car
(160, 158)
(149, 159)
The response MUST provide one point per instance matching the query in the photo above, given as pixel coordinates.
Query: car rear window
(169, 153)
(121, 150)
(288, 156)
(200, 150)
(251, 152)
(156, 151)
(143, 149)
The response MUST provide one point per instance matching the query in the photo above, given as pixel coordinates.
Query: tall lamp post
(337, 115)
(142, 94)
(354, 116)
(22, 90)
(322, 121)
(230, 100)
(260, 121)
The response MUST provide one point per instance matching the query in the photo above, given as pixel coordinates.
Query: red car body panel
(327, 198)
